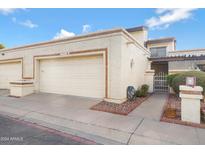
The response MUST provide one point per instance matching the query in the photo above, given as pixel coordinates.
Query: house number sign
(191, 81)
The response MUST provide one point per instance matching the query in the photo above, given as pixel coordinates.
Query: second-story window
(158, 51)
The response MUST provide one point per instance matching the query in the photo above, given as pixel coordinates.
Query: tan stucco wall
(132, 76)
(119, 55)
(149, 80)
(140, 36)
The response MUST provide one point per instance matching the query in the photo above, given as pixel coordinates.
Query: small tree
(2, 46)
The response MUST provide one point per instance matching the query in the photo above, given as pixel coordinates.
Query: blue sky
(25, 26)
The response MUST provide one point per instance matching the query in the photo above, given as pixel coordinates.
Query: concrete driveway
(71, 114)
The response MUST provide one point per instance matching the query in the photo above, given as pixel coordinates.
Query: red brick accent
(191, 92)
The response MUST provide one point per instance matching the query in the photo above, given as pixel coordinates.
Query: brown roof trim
(177, 58)
(66, 39)
(161, 40)
(27, 83)
(134, 29)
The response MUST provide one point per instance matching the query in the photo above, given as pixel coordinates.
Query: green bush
(180, 79)
(170, 79)
(143, 91)
(2, 46)
(138, 93)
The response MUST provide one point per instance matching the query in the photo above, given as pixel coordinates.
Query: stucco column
(190, 103)
(149, 65)
(21, 88)
(149, 79)
(28, 66)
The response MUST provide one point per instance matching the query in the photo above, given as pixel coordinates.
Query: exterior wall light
(132, 63)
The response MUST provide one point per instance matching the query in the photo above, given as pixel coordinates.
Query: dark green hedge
(143, 91)
(175, 80)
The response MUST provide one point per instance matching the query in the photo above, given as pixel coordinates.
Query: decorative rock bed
(172, 112)
(122, 109)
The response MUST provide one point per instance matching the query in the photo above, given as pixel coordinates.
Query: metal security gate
(160, 82)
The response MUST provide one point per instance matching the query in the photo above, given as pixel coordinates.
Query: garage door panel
(73, 76)
(9, 72)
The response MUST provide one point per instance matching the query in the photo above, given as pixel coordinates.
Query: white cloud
(13, 20)
(6, 11)
(63, 34)
(162, 10)
(28, 23)
(166, 17)
(86, 28)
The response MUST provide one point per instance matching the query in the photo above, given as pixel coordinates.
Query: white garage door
(9, 72)
(82, 76)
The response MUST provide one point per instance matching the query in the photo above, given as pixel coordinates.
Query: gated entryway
(160, 82)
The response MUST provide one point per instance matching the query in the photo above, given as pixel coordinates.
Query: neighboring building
(101, 64)
(160, 48)
(165, 59)
(173, 61)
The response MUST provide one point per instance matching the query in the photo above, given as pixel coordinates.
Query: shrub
(180, 79)
(2, 46)
(143, 91)
(138, 93)
(170, 79)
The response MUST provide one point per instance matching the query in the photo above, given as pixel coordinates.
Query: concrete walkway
(72, 115)
(152, 108)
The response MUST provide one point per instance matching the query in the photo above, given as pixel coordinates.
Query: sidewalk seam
(134, 131)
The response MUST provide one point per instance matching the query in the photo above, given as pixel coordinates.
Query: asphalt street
(15, 132)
